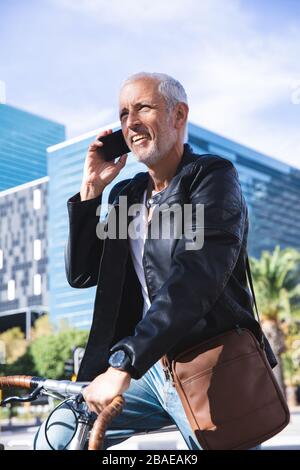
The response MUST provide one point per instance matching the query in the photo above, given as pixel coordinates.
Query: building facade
(24, 138)
(24, 283)
(271, 188)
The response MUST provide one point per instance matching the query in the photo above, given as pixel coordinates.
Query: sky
(239, 61)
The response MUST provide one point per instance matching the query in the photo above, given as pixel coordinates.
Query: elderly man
(154, 296)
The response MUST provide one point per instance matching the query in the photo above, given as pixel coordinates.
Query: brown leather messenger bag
(228, 389)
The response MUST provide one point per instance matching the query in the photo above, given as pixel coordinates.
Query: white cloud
(131, 12)
(237, 75)
(87, 120)
(78, 119)
(240, 84)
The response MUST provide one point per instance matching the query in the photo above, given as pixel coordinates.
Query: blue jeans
(150, 404)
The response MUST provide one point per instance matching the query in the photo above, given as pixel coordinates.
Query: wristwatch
(120, 360)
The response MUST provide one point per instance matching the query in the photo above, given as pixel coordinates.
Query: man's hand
(104, 388)
(98, 173)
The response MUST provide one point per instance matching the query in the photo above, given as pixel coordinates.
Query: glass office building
(23, 254)
(24, 138)
(271, 188)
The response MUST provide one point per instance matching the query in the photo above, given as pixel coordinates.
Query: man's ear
(181, 114)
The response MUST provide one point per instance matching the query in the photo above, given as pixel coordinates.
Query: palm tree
(276, 278)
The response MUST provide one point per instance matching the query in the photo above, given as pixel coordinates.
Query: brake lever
(27, 398)
(79, 399)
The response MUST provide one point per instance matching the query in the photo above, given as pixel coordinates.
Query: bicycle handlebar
(21, 381)
(68, 388)
(102, 422)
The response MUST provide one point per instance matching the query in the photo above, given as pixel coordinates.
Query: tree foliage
(50, 353)
(15, 344)
(276, 280)
(46, 354)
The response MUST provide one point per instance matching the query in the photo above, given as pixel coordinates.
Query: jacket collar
(137, 185)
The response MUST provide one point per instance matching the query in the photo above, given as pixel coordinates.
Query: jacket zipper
(168, 374)
(143, 263)
(102, 254)
(100, 264)
(167, 371)
(146, 279)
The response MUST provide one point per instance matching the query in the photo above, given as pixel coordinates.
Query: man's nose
(133, 120)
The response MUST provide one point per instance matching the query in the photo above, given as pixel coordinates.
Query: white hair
(170, 88)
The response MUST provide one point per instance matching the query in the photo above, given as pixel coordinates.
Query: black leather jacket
(195, 294)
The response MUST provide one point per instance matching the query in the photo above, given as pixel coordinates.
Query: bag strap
(250, 282)
(165, 361)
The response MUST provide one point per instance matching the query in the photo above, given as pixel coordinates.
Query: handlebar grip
(21, 381)
(107, 415)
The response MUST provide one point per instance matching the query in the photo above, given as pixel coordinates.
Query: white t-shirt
(140, 224)
(136, 244)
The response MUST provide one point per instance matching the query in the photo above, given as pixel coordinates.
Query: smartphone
(114, 145)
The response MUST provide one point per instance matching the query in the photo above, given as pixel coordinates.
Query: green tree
(277, 288)
(46, 355)
(50, 353)
(42, 327)
(15, 344)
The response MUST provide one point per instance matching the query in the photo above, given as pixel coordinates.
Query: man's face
(146, 122)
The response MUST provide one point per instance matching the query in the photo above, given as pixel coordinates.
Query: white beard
(156, 151)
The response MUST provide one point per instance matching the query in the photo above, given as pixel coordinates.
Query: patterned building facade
(271, 188)
(24, 138)
(24, 282)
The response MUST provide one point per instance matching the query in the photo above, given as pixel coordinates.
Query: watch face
(117, 358)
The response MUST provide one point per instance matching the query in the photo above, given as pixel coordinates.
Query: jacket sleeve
(197, 277)
(83, 248)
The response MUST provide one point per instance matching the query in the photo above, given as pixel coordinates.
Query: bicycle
(85, 428)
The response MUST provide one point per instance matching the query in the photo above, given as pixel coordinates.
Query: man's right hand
(97, 172)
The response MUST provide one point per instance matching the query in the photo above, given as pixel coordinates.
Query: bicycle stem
(63, 387)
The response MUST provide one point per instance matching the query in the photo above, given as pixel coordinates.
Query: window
(1, 259)
(37, 249)
(37, 199)
(37, 284)
(11, 289)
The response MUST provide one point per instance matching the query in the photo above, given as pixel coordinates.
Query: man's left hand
(104, 388)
